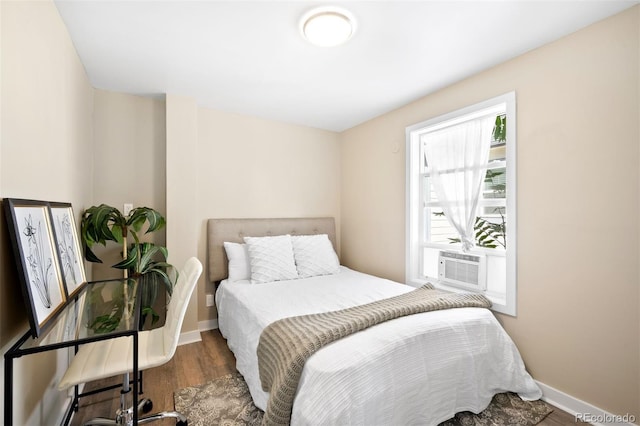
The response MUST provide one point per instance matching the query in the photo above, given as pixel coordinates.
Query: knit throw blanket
(286, 344)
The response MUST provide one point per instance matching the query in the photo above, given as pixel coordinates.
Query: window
(469, 158)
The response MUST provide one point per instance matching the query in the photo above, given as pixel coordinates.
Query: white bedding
(420, 369)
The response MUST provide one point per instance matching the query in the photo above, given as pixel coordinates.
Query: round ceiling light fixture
(327, 26)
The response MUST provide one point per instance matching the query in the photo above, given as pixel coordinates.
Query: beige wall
(249, 167)
(217, 165)
(129, 162)
(578, 155)
(578, 325)
(182, 185)
(46, 144)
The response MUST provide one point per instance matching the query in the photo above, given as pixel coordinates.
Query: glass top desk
(101, 310)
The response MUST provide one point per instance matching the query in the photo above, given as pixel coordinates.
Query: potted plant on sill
(142, 260)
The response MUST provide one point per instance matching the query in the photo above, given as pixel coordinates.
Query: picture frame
(31, 233)
(68, 247)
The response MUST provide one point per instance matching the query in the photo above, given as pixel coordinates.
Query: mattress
(418, 369)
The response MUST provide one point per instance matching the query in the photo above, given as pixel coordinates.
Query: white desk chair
(107, 358)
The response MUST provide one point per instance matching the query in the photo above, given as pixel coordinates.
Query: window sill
(498, 301)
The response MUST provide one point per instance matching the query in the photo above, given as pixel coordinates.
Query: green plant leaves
(104, 223)
(488, 234)
(131, 260)
(105, 324)
(140, 215)
(147, 253)
(145, 261)
(500, 128)
(495, 181)
(484, 233)
(98, 222)
(149, 311)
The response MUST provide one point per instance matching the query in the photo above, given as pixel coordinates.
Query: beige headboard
(234, 230)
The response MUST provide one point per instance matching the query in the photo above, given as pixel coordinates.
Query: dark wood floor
(194, 364)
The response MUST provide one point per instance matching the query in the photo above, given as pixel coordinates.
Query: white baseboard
(189, 337)
(582, 410)
(194, 336)
(208, 325)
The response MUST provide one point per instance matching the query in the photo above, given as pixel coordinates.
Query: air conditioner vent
(463, 270)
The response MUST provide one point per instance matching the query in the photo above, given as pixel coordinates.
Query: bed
(417, 369)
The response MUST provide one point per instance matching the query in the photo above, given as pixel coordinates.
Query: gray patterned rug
(226, 401)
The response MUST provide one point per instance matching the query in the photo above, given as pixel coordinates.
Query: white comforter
(420, 369)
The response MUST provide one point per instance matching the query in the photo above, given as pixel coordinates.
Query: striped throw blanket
(286, 344)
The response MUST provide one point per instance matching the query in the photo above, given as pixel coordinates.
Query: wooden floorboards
(194, 364)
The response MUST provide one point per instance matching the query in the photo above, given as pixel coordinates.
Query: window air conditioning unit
(467, 271)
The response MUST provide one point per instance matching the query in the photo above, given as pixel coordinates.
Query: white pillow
(271, 258)
(314, 255)
(239, 266)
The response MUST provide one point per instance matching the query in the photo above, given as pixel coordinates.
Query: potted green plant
(142, 260)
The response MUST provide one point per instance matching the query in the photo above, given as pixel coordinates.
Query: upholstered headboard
(234, 230)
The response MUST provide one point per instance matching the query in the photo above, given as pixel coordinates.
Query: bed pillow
(314, 255)
(239, 266)
(271, 258)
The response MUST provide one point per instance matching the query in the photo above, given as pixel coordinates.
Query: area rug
(226, 401)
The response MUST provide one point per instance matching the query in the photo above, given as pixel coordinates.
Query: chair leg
(145, 406)
(140, 390)
(181, 419)
(99, 421)
(124, 415)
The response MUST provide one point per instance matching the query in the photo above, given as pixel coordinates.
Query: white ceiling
(248, 56)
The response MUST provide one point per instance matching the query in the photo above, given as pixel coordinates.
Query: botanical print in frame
(36, 257)
(68, 244)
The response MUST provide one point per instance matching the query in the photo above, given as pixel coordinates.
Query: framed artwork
(31, 233)
(68, 246)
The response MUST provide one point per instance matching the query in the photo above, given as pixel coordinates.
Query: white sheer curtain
(457, 158)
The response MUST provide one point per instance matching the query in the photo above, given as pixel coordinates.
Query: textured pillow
(314, 255)
(239, 266)
(271, 258)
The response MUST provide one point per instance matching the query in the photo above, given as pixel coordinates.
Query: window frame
(415, 231)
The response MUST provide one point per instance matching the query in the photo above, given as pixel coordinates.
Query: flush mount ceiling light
(327, 26)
